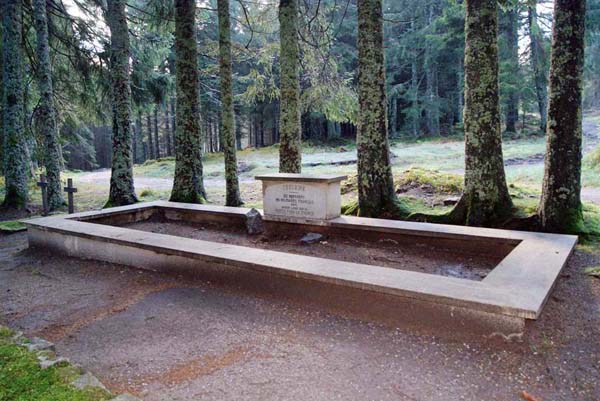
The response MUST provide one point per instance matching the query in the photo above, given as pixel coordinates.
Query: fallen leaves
(528, 397)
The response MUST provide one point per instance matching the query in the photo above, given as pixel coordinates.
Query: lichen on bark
(122, 191)
(15, 145)
(188, 183)
(45, 112)
(485, 200)
(290, 129)
(376, 195)
(227, 128)
(560, 204)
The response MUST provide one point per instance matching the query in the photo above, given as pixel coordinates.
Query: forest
(94, 84)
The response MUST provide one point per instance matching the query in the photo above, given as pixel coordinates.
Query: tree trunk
(376, 194)
(511, 39)
(537, 64)
(460, 85)
(560, 204)
(122, 191)
(238, 126)
(151, 148)
(414, 89)
(227, 128)
(290, 155)
(140, 142)
(168, 130)
(188, 185)
(432, 111)
(134, 145)
(15, 144)
(156, 137)
(173, 125)
(486, 199)
(46, 117)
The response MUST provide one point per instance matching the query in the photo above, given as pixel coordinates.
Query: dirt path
(167, 338)
(102, 178)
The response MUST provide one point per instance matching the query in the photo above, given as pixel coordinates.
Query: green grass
(21, 378)
(11, 226)
(593, 271)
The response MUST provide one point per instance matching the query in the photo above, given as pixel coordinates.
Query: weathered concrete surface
(515, 290)
(168, 338)
(300, 197)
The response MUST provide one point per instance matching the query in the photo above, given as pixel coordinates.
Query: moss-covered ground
(21, 378)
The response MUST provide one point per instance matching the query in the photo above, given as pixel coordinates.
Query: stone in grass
(88, 380)
(593, 271)
(46, 363)
(254, 222)
(312, 238)
(451, 200)
(125, 397)
(39, 344)
(19, 338)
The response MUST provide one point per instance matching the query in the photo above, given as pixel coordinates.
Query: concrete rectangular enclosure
(515, 290)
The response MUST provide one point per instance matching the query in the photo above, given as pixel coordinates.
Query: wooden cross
(70, 190)
(43, 184)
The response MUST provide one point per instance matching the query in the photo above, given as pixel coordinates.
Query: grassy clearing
(9, 227)
(425, 171)
(21, 378)
(593, 271)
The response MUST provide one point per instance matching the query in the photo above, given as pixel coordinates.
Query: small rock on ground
(46, 363)
(311, 238)
(88, 380)
(451, 200)
(39, 344)
(125, 397)
(254, 222)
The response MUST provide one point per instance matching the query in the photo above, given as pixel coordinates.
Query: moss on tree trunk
(560, 205)
(15, 144)
(227, 126)
(45, 114)
(376, 195)
(188, 184)
(122, 191)
(486, 200)
(290, 129)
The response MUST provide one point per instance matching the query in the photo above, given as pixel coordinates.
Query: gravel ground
(168, 338)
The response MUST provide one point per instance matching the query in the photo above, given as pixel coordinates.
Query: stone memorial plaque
(300, 198)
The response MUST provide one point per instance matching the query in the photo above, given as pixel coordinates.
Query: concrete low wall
(514, 291)
(348, 301)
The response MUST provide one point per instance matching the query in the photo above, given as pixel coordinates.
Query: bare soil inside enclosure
(387, 252)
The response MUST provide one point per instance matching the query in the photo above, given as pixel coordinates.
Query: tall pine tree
(15, 146)
(510, 63)
(46, 115)
(227, 123)
(122, 191)
(376, 195)
(538, 65)
(188, 185)
(560, 204)
(485, 200)
(290, 129)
